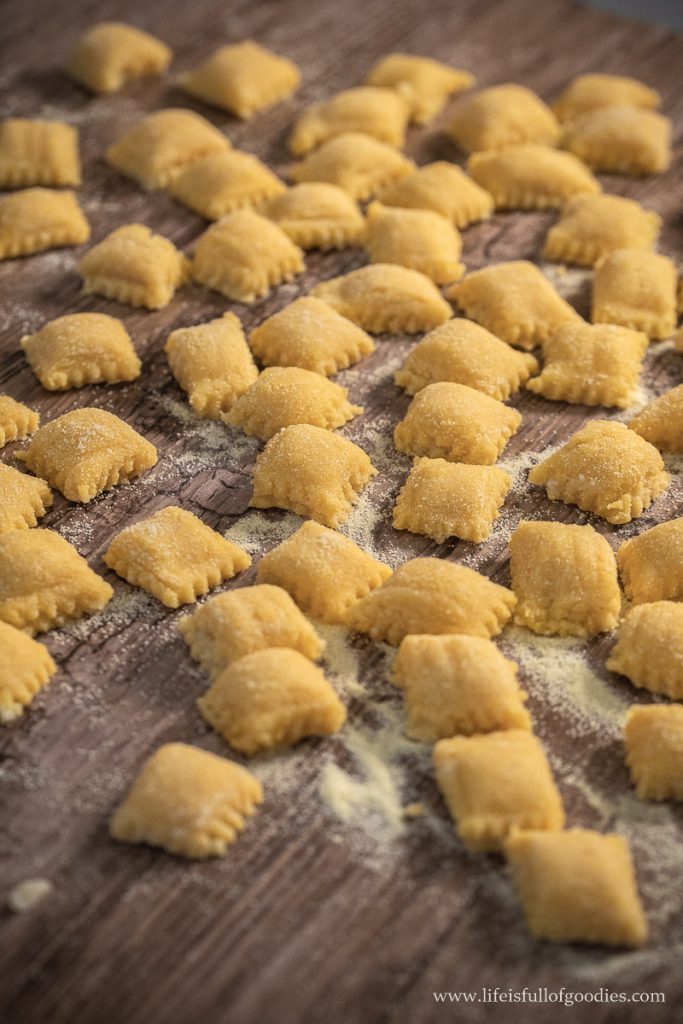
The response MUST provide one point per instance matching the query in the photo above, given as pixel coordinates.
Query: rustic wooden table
(309, 918)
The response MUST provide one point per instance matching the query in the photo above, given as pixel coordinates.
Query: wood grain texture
(296, 925)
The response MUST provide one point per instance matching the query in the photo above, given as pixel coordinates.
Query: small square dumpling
(564, 578)
(44, 582)
(243, 255)
(156, 149)
(455, 422)
(496, 782)
(531, 177)
(457, 685)
(654, 750)
(594, 226)
(503, 115)
(16, 420)
(246, 620)
(111, 54)
(271, 698)
(223, 182)
(385, 298)
(515, 301)
(311, 471)
(325, 572)
(25, 668)
(310, 334)
(355, 162)
(79, 349)
(443, 499)
(380, 113)
(212, 363)
(591, 365)
(621, 140)
(87, 451)
(443, 188)
(424, 84)
(604, 468)
(134, 266)
(595, 91)
(243, 78)
(462, 352)
(651, 564)
(23, 499)
(577, 886)
(649, 648)
(419, 239)
(317, 215)
(429, 595)
(637, 289)
(661, 421)
(38, 153)
(283, 395)
(188, 802)
(37, 219)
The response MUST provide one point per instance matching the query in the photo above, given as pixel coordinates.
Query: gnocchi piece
(26, 667)
(661, 421)
(604, 468)
(284, 395)
(591, 227)
(443, 188)
(591, 365)
(443, 499)
(621, 140)
(311, 471)
(515, 301)
(455, 422)
(36, 152)
(243, 255)
(636, 289)
(597, 91)
(355, 162)
(243, 79)
(37, 219)
(316, 215)
(271, 698)
(462, 352)
(212, 363)
(424, 84)
(577, 886)
(494, 783)
(156, 149)
(380, 113)
(110, 54)
(44, 582)
(384, 298)
(23, 499)
(79, 349)
(531, 177)
(188, 802)
(325, 572)
(564, 578)
(17, 421)
(223, 182)
(244, 621)
(310, 334)
(419, 239)
(429, 595)
(649, 648)
(134, 266)
(87, 451)
(503, 115)
(457, 685)
(651, 564)
(654, 750)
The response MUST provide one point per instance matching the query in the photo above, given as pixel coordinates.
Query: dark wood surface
(306, 919)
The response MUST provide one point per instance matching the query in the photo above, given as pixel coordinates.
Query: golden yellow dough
(420, 239)
(80, 349)
(110, 54)
(621, 140)
(34, 152)
(25, 668)
(649, 648)
(503, 115)
(243, 78)
(134, 266)
(531, 177)
(379, 113)
(17, 421)
(661, 421)
(653, 736)
(595, 91)
(443, 188)
(424, 84)
(23, 499)
(636, 289)
(37, 219)
(223, 182)
(651, 564)
(594, 226)
(317, 215)
(355, 162)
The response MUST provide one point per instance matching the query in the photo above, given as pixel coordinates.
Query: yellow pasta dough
(654, 750)
(243, 78)
(621, 140)
(636, 289)
(531, 177)
(79, 349)
(443, 188)
(271, 698)
(651, 564)
(44, 582)
(457, 685)
(385, 298)
(429, 595)
(311, 471)
(595, 91)
(316, 215)
(379, 113)
(87, 451)
(606, 469)
(649, 648)
(23, 499)
(503, 115)
(443, 499)
(16, 420)
(594, 226)
(36, 219)
(419, 239)
(134, 266)
(212, 362)
(661, 421)
(244, 255)
(455, 422)
(25, 668)
(425, 84)
(564, 578)
(515, 301)
(224, 182)
(110, 54)
(188, 802)
(494, 783)
(577, 886)
(355, 162)
(38, 153)
(325, 572)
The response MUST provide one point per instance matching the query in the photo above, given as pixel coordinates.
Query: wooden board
(307, 919)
